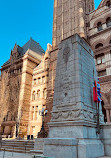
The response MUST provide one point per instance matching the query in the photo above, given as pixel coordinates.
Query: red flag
(95, 95)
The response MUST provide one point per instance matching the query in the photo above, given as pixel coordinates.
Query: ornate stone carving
(74, 114)
(66, 54)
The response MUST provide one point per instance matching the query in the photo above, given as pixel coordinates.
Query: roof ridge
(40, 48)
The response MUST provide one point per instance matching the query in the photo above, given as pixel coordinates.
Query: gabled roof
(30, 45)
(34, 46)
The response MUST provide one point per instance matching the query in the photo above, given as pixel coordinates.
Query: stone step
(18, 141)
(17, 146)
(12, 144)
(6, 144)
(27, 141)
(15, 150)
(37, 152)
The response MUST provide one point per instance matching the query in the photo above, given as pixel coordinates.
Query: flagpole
(98, 123)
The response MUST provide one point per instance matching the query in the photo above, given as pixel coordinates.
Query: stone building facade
(99, 34)
(39, 93)
(17, 86)
(27, 79)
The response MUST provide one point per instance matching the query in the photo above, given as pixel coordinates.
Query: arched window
(108, 3)
(38, 93)
(46, 63)
(34, 81)
(99, 26)
(99, 45)
(33, 95)
(36, 112)
(45, 93)
(100, 59)
(43, 79)
(108, 22)
(39, 80)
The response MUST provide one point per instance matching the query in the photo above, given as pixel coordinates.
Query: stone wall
(51, 84)
(99, 38)
(10, 85)
(38, 95)
(25, 93)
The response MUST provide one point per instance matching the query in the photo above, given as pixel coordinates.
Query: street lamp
(17, 127)
(42, 132)
(18, 124)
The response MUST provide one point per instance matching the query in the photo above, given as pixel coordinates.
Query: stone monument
(73, 127)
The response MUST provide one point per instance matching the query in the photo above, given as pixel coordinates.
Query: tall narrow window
(32, 115)
(108, 22)
(43, 79)
(99, 26)
(36, 112)
(33, 96)
(35, 81)
(103, 59)
(46, 63)
(45, 93)
(108, 3)
(100, 59)
(39, 80)
(38, 94)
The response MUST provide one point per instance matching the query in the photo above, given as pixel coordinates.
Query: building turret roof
(30, 45)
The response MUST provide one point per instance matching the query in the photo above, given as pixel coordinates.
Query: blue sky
(22, 19)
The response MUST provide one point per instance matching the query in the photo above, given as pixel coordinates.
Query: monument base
(60, 147)
(73, 148)
(106, 138)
